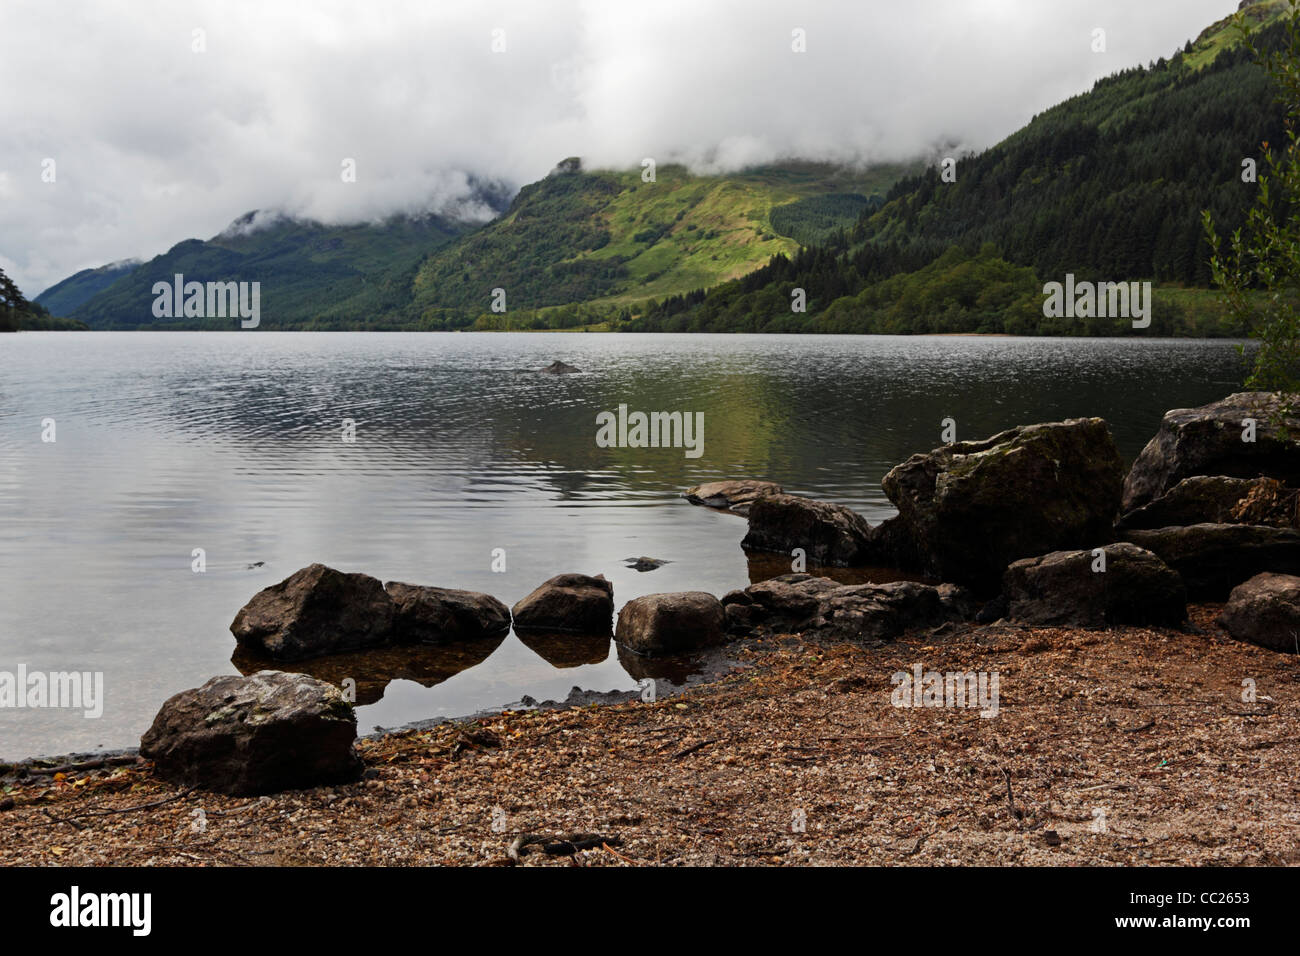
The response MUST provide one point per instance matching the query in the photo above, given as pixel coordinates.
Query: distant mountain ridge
(67, 296)
(573, 237)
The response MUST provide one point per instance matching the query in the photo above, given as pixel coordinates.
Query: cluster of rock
(1043, 521)
(319, 611)
(1039, 522)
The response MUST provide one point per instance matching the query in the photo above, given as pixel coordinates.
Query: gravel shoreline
(1130, 746)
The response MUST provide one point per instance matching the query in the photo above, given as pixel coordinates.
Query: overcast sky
(154, 141)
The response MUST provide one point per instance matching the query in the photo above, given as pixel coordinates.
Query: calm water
(232, 443)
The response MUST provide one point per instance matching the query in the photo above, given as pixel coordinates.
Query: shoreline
(711, 663)
(1143, 729)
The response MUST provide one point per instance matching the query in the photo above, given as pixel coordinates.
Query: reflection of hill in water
(374, 669)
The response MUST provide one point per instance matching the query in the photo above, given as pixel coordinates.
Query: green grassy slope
(608, 237)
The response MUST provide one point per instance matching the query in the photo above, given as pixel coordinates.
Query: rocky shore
(1127, 746)
(1084, 595)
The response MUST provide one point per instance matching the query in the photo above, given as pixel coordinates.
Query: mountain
(595, 239)
(1109, 185)
(609, 237)
(64, 298)
(311, 275)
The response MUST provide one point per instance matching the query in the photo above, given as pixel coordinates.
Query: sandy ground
(1129, 746)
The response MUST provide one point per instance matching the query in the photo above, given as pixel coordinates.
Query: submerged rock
(1209, 441)
(1214, 558)
(568, 602)
(316, 610)
(264, 733)
(645, 564)
(559, 368)
(969, 509)
(733, 495)
(1265, 610)
(427, 615)
(1062, 588)
(659, 624)
(828, 533)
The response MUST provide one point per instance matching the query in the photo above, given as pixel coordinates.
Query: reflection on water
(232, 443)
(567, 650)
(373, 670)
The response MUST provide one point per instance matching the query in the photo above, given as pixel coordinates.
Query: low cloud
(155, 142)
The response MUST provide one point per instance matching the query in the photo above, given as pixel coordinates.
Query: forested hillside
(1109, 185)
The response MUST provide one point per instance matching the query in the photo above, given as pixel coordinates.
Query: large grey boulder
(1062, 588)
(659, 624)
(828, 533)
(575, 603)
(315, 611)
(1265, 610)
(807, 604)
(1214, 558)
(969, 509)
(427, 615)
(882, 612)
(1208, 441)
(263, 733)
(1201, 499)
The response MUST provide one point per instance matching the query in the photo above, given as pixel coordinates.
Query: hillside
(67, 296)
(1109, 185)
(311, 275)
(574, 237)
(608, 238)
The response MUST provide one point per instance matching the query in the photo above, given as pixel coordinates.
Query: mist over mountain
(178, 117)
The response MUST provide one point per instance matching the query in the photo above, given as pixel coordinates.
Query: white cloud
(156, 143)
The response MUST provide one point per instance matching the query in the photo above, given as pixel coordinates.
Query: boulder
(1201, 499)
(882, 612)
(969, 509)
(736, 495)
(315, 611)
(1265, 610)
(829, 533)
(807, 604)
(568, 602)
(1208, 441)
(659, 624)
(789, 601)
(264, 733)
(425, 615)
(1062, 588)
(1214, 558)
